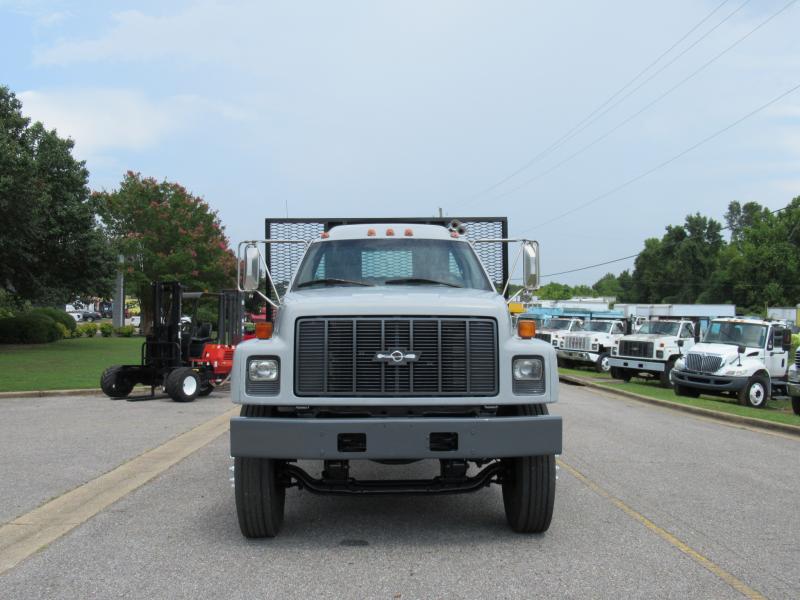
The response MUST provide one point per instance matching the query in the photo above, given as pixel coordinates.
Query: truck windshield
(371, 262)
(600, 326)
(561, 324)
(747, 334)
(660, 328)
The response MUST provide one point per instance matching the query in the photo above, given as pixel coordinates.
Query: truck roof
(390, 230)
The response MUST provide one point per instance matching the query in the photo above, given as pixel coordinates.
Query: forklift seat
(201, 338)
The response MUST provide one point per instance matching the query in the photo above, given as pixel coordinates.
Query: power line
(588, 120)
(668, 161)
(646, 106)
(616, 260)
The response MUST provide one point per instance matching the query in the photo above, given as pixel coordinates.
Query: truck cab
(651, 352)
(743, 357)
(392, 344)
(592, 344)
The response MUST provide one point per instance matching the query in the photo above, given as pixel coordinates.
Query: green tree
(165, 233)
(51, 248)
(608, 285)
(554, 291)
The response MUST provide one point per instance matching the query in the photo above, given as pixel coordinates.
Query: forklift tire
(205, 390)
(796, 404)
(182, 385)
(113, 384)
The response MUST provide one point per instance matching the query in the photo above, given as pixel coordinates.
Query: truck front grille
(638, 349)
(797, 358)
(703, 363)
(576, 342)
(452, 357)
(544, 336)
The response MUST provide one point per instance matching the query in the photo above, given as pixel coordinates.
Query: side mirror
(680, 343)
(530, 266)
(741, 349)
(787, 340)
(252, 268)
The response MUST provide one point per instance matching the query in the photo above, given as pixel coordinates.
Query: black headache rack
(283, 259)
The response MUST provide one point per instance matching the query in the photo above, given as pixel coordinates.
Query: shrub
(77, 333)
(28, 329)
(59, 316)
(125, 330)
(88, 329)
(65, 333)
(106, 329)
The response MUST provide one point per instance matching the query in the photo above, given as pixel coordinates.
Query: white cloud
(103, 119)
(202, 32)
(51, 19)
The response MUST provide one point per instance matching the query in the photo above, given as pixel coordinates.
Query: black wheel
(182, 385)
(601, 364)
(756, 392)
(89, 319)
(113, 384)
(616, 373)
(796, 404)
(681, 390)
(663, 377)
(529, 487)
(205, 390)
(260, 491)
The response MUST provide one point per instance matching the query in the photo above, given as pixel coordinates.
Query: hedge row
(30, 328)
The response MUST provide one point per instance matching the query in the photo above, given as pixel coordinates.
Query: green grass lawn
(779, 411)
(66, 364)
(587, 372)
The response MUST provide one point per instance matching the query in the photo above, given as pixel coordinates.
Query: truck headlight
(263, 370)
(659, 354)
(594, 346)
(614, 350)
(528, 369)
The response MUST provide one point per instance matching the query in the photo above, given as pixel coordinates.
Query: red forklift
(183, 355)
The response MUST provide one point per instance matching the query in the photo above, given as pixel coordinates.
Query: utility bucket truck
(392, 342)
(652, 351)
(742, 357)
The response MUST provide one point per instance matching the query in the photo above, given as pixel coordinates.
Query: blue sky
(398, 108)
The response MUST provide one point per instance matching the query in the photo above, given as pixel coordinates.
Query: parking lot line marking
(38, 528)
(736, 583)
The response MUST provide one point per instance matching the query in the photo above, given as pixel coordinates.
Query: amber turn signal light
(264, 330)
(526, 329)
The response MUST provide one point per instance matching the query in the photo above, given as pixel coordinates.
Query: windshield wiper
(332, 281)
(420, 280)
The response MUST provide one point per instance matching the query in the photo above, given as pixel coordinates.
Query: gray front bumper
(708, 382)
(584, 355)
(637, 364)
(395, 438)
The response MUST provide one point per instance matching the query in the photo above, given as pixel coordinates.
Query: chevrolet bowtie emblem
(397, 357)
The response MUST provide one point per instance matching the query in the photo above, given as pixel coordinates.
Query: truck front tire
(602, 365)
(260, 492)
(682, 390)
(756, 393)
(796, 404)
(663, 377)
(529, 486)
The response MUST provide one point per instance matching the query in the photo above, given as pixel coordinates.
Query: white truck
(746, 358)
(555, 328)
(652, 351)
(592, 344)
(793, 387)
(391, 344)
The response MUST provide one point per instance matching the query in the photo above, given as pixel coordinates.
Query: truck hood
(646, 337)
(726, 351)
(395, 300)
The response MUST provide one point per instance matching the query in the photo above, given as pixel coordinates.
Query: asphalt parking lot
(650, 503)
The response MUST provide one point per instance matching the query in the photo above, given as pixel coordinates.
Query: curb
(47, 393)
(705, 412)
